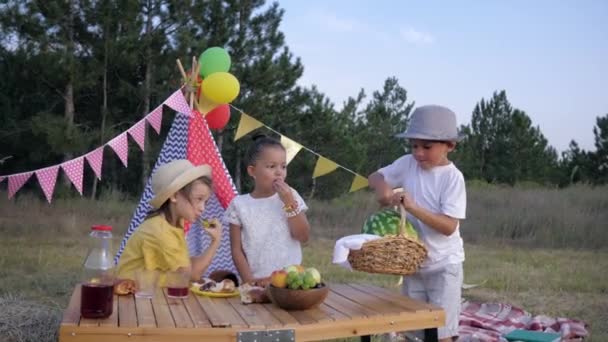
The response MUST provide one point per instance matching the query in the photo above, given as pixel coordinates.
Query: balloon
(205, 105)
(221, 87)
(219, 117)
(212, 60)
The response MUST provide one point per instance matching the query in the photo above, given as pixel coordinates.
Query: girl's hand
(261, 282)
(214, 229)
(405, 199)
(284, 192)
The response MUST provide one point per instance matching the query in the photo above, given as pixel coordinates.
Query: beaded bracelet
(291, 210)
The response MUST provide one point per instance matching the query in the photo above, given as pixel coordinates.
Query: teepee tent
(190, 138)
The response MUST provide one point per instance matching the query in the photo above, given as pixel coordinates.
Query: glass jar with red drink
(98, 275)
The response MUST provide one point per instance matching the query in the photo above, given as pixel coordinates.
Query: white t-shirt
(441, 190)
(265, 235)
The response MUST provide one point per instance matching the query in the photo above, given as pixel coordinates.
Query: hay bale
(24, 320)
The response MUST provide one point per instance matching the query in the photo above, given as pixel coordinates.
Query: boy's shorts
(442, 288)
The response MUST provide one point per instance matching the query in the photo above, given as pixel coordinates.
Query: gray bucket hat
(432, 122)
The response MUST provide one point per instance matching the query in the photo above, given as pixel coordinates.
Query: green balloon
(212, 60)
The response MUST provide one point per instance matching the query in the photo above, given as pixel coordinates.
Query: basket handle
(403, 221)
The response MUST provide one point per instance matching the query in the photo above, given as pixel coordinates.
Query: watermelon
(386, 222)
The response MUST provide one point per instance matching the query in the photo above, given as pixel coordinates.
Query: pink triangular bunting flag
(95, 160)
(74, 170)
(155, 118)
(47, 178)
(138, 133)
(121, 147)
(2, 178)
(15, 182)
(178, 103)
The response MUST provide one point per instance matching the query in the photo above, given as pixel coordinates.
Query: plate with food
(210, 288)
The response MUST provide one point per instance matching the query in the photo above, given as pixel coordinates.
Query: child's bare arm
(298, 223)
(201, 262)
(238, 255)
(384, 193)
(299, 227)
(442, 223)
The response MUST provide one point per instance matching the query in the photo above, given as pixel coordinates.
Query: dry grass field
(541, 249)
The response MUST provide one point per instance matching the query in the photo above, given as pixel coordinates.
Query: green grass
(42, 248)
(574, 217)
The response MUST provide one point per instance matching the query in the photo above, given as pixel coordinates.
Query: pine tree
(501, 145)
(575, 165)
(45, 42)
(386, 115)
(600, 157)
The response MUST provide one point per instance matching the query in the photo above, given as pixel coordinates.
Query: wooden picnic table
(349, 310)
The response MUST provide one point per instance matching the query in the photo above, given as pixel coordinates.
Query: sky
(551, 57)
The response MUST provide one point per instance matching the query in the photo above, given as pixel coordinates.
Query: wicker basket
(392, 254)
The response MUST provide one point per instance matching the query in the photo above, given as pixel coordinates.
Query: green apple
(314, 273)
(292, 268)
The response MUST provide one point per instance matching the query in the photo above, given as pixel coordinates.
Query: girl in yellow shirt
(181, 191)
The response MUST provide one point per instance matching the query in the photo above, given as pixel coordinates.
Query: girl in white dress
(268, 224)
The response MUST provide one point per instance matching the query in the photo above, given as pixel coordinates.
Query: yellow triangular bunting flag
(359, 182)
(291, 147)
(323, 167)
(246, 125)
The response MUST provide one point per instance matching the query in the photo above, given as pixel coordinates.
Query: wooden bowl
(288, 299)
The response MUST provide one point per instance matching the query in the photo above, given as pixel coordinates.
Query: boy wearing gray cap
(434, 196)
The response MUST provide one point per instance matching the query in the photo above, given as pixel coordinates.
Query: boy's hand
(213, 228)
(405, 199)
(284, 191)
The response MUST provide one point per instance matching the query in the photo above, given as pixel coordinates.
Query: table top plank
(377, 304)
(178, 311)
(395, 297)
(145, 313)
(196, 312)
(71, 315)
(256, 316)
(320, 315)
(221, 313)
(112, 320)
(127, 315)
(163, 316)
(332, 313)
(303, 316)
(215, 317)
(89, 322)
(287, 320)
(347, 307)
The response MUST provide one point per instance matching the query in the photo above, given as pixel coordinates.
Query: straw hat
(171, 177)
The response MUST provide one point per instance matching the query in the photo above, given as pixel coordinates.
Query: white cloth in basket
(345, 244)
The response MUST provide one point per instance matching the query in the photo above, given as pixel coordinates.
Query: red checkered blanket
(489, 322)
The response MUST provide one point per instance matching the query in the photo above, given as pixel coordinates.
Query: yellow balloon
(221, 87)
(205, 105)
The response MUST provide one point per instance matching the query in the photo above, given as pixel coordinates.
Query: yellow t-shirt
(155, 245)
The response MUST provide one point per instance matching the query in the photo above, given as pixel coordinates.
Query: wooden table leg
(366, 338)
(430, 335)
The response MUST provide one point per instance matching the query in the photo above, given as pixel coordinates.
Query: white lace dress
(265, 235)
